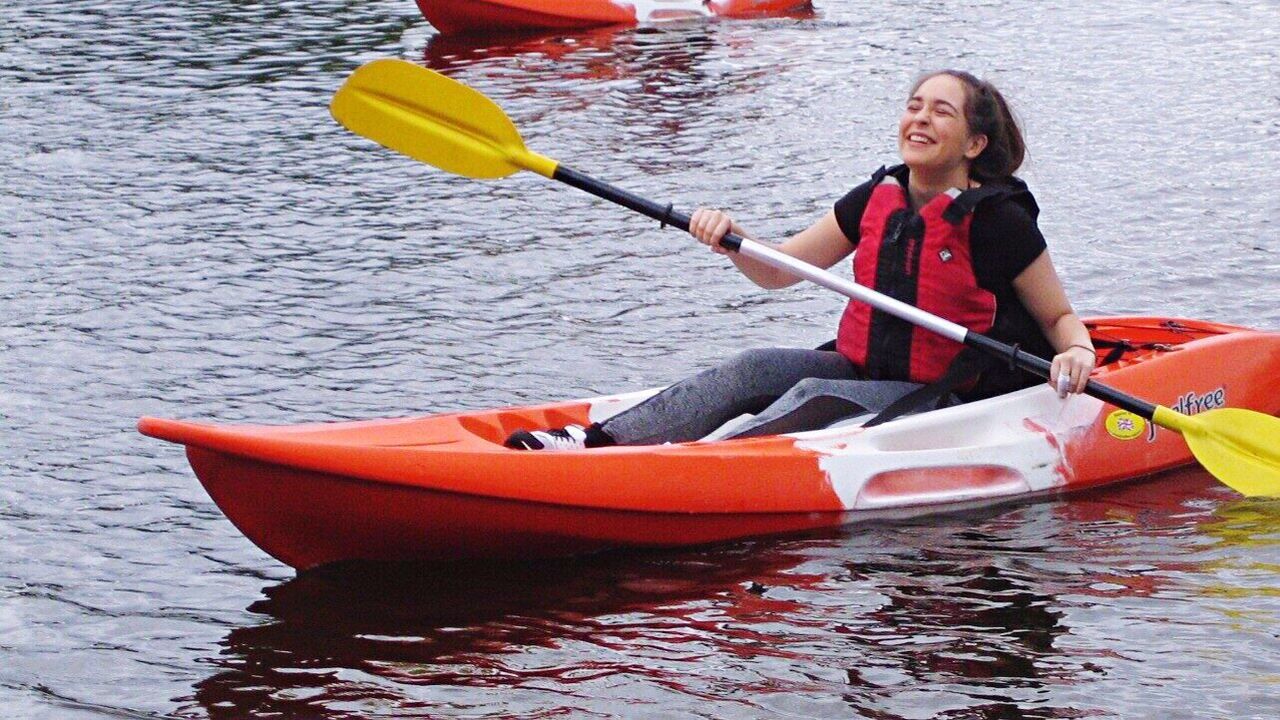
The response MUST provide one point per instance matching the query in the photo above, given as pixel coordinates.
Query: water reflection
(1243, 531)
(662, 75)
(877, 620)
(1249, 523)
(450, 52)
(967, 629)
(493, 626)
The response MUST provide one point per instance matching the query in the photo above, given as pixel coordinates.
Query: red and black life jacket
(924, 259)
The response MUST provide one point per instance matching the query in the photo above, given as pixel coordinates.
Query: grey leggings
(788, 389)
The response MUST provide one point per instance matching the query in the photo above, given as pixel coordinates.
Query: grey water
(184, 231)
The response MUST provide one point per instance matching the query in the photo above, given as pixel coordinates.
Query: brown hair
(987, 113)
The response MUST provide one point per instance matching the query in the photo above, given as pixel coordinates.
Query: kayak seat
(817, 403)
(729, 428)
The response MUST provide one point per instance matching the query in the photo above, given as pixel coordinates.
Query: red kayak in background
(477, 16)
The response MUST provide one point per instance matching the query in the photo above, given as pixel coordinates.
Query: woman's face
(933, 134)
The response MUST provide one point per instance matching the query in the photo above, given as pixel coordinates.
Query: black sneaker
(570, 437)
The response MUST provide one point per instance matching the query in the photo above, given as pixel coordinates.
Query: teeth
(918, 138)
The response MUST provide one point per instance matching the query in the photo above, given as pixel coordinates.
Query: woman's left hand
(1070, 370)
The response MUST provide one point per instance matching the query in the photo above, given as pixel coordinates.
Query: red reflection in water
(453, 626)
(963, 616)
(662, 73)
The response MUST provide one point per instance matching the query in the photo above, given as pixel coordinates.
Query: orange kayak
(477, 16)
(443, 488)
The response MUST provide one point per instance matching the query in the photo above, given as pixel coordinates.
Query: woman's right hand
(710, 226)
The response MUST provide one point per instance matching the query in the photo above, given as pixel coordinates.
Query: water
(185, 231)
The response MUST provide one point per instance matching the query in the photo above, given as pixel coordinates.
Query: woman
(950, 230)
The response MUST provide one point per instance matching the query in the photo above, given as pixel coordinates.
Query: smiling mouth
(918, 138)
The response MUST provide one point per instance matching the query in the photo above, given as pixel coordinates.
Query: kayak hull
(442, 488)
(495, 16)
(306, 519)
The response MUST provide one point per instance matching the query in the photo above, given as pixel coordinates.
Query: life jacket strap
(966, 202)
(968, 365)
(1116, 349)
(879, 175)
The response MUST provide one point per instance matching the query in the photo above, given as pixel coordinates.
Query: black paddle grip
(664, 214)
(1039, 366)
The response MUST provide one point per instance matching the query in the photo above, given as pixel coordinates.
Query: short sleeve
(1005, 241)
(849, 211)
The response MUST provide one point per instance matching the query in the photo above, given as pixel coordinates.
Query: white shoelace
(577, 439)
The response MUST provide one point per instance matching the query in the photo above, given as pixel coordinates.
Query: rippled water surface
(185, 231)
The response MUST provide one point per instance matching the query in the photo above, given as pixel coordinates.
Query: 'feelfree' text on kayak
(1191, 403)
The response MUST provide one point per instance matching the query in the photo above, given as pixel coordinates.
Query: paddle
(440, 121)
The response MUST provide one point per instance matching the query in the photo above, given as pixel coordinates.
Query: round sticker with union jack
(1124, 425)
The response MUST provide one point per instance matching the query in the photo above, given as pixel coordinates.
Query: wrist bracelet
(1083, 347)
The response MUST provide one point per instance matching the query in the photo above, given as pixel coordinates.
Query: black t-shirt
(1004, 240)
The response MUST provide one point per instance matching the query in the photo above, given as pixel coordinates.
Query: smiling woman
(950, 231)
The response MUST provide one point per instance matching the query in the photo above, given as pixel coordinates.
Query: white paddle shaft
(850, 289)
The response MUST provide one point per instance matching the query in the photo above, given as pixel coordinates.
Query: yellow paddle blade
(429, 117)
(1239, 447)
